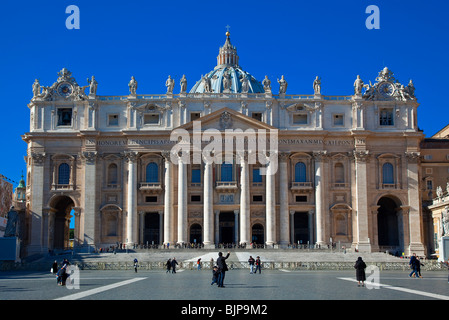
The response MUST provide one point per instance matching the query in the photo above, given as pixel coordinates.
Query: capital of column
(38, 158)
(413, 157)
(131, 156)
(320, 156)
(361, 155)
(166, 155)
(283, 156)
(89, 156)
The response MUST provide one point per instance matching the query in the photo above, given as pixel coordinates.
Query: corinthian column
(90, 197)
(319, 196)
(168, 198)
(244, 199)
(284, 229)
(361, 190)
(414, 216)
(131, 223)
(208, 204)
(182, 201)
(271, 203)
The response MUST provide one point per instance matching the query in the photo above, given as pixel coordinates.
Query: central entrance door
(257, 234)
(152, 228)
(227, 224)
(196, 234)
(301, 227)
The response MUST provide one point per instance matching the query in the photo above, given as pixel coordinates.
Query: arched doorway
(152, 228)
(196, 234)
(258, 235)
(389, 224)
(227, 223)
(62, 207)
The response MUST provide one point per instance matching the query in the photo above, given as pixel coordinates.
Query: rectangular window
(300, 119)
(386, 117)
(257, 198)
(151, 199)
(151, 118)
(429, 184)
(195, 198)
(257, 116)
(113, 120)
(196, 175)
(64, 116)
(195, 115)
(338, 120)
(301, 198)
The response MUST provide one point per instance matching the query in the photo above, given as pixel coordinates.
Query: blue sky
(153, 39)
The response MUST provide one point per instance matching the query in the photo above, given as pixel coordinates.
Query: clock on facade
(386, 89)
(65, 89)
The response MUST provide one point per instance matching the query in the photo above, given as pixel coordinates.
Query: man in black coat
(173, 265)
(222, 268)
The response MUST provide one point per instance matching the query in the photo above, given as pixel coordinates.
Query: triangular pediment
(226, 118)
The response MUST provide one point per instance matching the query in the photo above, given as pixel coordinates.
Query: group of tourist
(171, 265)
(414, 263)
(61, 272)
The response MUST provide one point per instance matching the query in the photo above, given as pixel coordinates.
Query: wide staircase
(285, 259)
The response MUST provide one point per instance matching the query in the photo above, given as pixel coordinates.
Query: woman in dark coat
(360, 271)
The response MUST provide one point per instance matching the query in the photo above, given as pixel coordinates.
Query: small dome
(228, 76)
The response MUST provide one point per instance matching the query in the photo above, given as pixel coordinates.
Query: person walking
(251, 262)
(198, 264)
(215, 274)
(135, 264)
(360, 275)
(258, 265)
(173, 265)
(168, 265)
(222, 268)
(413, 266)
(418, 267)
(54, 267)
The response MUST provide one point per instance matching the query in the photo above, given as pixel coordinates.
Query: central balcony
(226, 185)
(150, 187)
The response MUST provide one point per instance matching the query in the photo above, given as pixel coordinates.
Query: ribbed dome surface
(228, 76)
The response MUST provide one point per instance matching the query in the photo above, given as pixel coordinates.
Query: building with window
(347, 167)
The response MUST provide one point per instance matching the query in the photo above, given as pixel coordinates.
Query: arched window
(152, 172)
(387, 173)
(339, 173)
(300, 172)
(226, 171)
(112, 174)
(64, 173)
